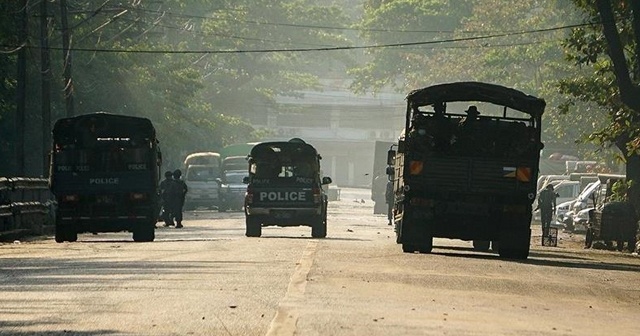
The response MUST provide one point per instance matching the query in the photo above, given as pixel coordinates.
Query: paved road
(209, 279)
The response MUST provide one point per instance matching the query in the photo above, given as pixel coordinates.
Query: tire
(408, 248)
(588, 238)
(319, 227)
(481, 245)
(514, 253)
(61, 234)
(144, 233)
(72, 236)
(254, 227)
(427, 247)
(64, 233)
(495, 246)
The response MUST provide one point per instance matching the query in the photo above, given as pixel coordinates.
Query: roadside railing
(26, 207)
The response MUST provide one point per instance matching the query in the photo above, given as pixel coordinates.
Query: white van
(203, 186)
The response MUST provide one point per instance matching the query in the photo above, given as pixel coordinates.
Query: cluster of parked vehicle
(215, 180)
(587, 203)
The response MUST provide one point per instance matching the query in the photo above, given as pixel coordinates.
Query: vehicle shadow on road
(540, 259)
(311, 238)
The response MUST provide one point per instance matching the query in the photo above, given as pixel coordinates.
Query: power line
(266, 23)
(336, 48)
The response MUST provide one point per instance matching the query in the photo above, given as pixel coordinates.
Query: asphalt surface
(209, 279)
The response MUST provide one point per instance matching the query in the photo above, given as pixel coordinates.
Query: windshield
(202, 173)
(565, 190)
(107, 158)
(588, 190)
(234, 177)
(270, 169)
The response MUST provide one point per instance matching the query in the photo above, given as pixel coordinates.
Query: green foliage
(620, 191)
(140, 58)
(586, 47)
(487, 40)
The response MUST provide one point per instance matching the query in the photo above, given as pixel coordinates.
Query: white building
(342, 126)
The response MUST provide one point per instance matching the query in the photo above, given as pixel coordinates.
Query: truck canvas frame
(466, 176)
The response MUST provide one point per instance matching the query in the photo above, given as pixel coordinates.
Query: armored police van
(104, 172)
(284, 188)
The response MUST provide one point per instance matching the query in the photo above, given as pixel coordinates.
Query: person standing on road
(388, 195)
(547, 206)
(177, 193)
(164, 198)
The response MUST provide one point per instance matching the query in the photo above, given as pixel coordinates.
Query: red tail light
(137, 196)
(317, 196)
(70, 198)
(249, 195)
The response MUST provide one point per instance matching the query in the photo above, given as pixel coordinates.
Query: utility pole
(66, 52)
(21, 90)
(45, 70)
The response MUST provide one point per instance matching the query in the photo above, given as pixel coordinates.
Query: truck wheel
(481, 245)
(514, 253)
(427, 246)
(588, 239)
(61, 234)
(254, 227)
(319, 228)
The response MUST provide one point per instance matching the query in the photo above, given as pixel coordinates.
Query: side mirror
(326, 180)
(391, 157)
(245, 180)
(390, 170)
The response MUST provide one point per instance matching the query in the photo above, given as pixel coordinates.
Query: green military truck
(284, 188)
(464, 175)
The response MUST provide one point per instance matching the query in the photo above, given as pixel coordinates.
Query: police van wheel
(72, 236)
(319, 228)
(65, 233)
(60, 236)
(408, 248)
(144, 233)
(254, 227)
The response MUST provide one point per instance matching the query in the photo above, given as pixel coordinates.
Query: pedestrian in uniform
(547, 206)
(178, 191)
(164, 189)
(388, 195)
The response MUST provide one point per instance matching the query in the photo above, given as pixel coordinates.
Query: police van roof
(106, 124)
(284, 147)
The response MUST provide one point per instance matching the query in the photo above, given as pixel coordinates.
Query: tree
(195, 68)
(611, 47)
(512, 44)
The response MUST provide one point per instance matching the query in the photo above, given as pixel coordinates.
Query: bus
(104, 173)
